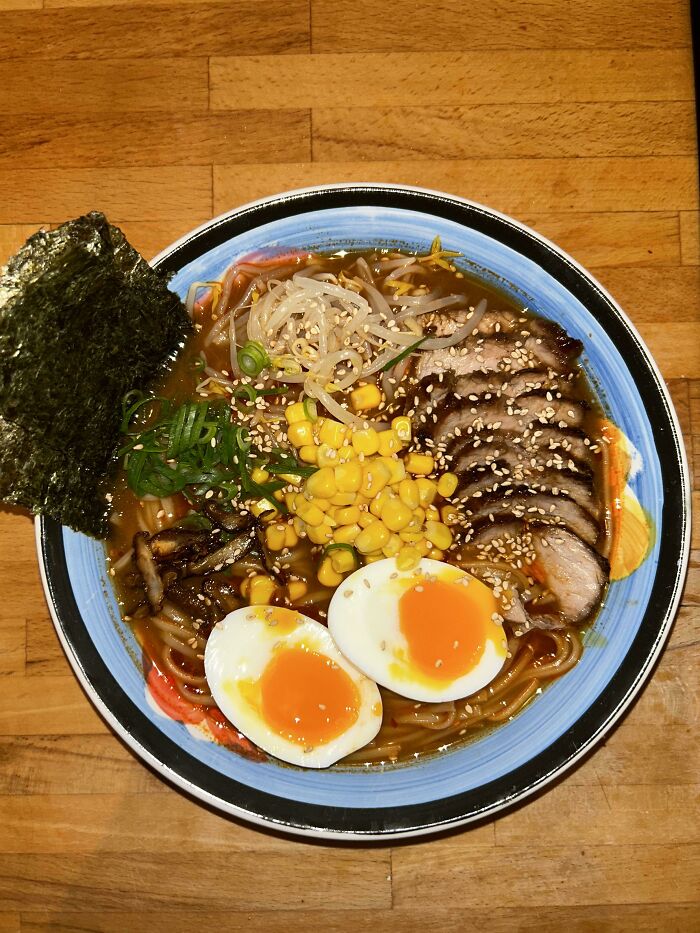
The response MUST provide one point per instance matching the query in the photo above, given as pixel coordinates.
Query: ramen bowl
(497, 767)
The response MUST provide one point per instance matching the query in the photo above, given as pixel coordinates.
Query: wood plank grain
(450, 78)
(20, 5)
(152, 139)
(690, 237)
(654, 294)
(503, 131)
(603, 816)
(122, 193)
(566, 874)
(516, 186)
(46, 705)
(508, 24)
(159, 31)
(43, 651)
(114, 822)
(103, 85)
(675, 347)
(73, 764)
(431, 918)
(213, 881)
(599, 240)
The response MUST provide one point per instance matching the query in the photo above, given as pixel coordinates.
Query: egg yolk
(307, 698)
(447, 625)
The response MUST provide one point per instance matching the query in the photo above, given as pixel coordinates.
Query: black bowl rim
(258, 806)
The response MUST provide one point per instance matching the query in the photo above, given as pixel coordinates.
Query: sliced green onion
(252, 358)
(247, 392)
(310, 409)
(402, 356)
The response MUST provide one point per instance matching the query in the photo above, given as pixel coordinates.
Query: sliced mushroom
(149, 571)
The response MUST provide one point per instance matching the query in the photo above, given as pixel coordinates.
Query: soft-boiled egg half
(279, 678)
(432, 634)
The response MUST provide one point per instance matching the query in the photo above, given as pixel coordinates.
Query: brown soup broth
(409, 729)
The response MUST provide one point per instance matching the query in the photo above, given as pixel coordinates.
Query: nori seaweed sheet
(83, 319)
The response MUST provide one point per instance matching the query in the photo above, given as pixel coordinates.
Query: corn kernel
(449, 514)
(343, 498)
(419, 464)
(424, 547)
(346, 534)
(432, 514)
(365, 441)
(408, 493)
(296, 589)
(402, 428)
(365, 397)
(392, 547)
(342, 560)
(327, 576)
(388, 443)
(274, 536)
(407, 558)
(261, 591)
(366, 519)
(427, 490)
(332, 433)
(327, 456)
(321, 484)
(308, 453)
(348, 477)
(261, 507)
(299, 526)
(291, 538)
(278, 495)
(347, 515)
(300, 433)
(379, 501)
(289, 498)
(308, 511)
(447, 485)
(375, 476)
(372, 558)
(395, 515)
(259, 475)
(435, 554)
(347, 452)
(320, 534)
(397, 471)
(372, 538)
(438, 534)
(245, 588)
(295, 413)
(411, 537)
(292, 478)
(330, 521)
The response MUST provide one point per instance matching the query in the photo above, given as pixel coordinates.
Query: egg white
(238, 651)
(363, 618)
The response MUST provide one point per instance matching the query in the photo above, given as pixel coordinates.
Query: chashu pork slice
(482, 482)
(523, 344)
(522, 502)
(574, 573)
(457, 418)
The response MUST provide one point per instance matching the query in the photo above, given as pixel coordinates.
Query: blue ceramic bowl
(571, 715)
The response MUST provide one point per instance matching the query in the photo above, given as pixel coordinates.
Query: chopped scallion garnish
(252, 358)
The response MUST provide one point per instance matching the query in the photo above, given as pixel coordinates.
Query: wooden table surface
(575, 117)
